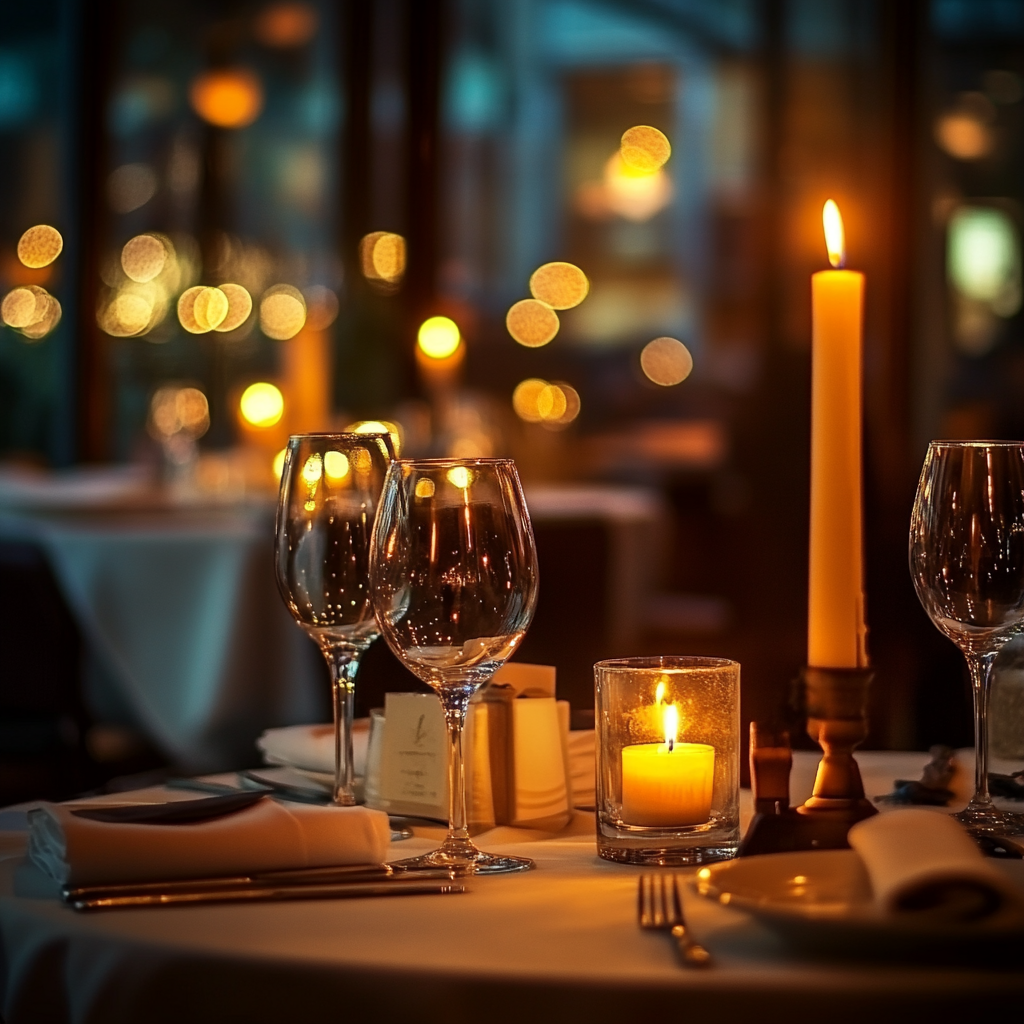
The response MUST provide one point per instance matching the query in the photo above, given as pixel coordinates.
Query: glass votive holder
(668, 753)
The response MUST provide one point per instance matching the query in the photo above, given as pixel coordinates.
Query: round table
(553, 945)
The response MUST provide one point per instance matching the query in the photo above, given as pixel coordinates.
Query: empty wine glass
(967, 563)
(454, 576)
(330, 487)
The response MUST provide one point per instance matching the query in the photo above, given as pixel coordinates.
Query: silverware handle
(691, 954)
(258, 894)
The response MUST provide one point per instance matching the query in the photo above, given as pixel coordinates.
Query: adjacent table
(557, 944)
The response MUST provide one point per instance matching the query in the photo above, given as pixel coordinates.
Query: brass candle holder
(837, 721)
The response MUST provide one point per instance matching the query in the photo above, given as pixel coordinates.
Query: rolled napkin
(268, 836)
(924, 862)
(312, 746)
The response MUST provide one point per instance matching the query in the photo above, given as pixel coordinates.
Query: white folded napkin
(924, 861)
(312, 746)
(268, 836)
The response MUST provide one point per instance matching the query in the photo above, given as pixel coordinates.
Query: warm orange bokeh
(227, 98)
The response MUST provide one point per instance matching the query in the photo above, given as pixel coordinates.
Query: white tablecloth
(181, 611)
(557, 944)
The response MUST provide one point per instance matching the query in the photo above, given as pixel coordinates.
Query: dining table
(556, 944)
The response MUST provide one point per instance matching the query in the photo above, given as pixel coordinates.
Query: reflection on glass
(967, 563)
(454, 577)
(322, 550)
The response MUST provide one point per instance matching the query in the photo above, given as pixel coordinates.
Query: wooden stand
(837, 721)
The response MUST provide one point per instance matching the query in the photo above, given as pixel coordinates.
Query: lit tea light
(667, 784)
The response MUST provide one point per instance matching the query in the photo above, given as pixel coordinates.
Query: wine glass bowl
(454, 577)
(967, 564)
(330, 486)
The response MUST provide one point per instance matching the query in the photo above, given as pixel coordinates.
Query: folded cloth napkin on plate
(268, 836)
(312, 746)
(924, 861)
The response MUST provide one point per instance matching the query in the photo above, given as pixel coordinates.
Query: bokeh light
(559, 285)
(131, 186)
(459, 476)
(532, 323)
(174, 410)
(555, 405)
(19, 306)
(239, 307)
(666, 361)
(228, 97)
(186, 314)
(438, 337)
(525, 397)
(286, 25)
(984, 258)
(210, 308)
(965, 132)
(40, 246)
(143, 258)
(392, 429)
(31, 310)
(424, 488)
(634, 194)
(336, 465)
(282, 312)
(321, 307)
(129, 313)
(261, 405)
(644, 148)
(313, 468)
(382, 257)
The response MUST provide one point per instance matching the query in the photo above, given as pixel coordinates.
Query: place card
(414, 765)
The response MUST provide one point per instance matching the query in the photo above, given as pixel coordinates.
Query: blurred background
(265, 208)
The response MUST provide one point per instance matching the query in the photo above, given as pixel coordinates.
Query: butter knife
(269, 893)
(297, 877)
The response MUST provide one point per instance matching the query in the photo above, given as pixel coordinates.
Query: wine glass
(330, 487)
(453, 571)
(967, 563)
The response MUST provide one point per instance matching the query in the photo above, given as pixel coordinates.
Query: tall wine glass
(454, 576)
(330, 487)
(967, 563)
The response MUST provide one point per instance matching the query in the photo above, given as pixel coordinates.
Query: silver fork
(660, 908)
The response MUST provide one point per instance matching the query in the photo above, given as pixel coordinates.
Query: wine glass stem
(980, 666)
(344, 664)
(455, 707)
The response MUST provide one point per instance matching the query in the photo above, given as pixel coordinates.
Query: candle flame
(659, 691)
(835, 236)
(671, 722)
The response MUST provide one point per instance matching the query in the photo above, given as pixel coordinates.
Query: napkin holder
(515, 746)
(837, 722)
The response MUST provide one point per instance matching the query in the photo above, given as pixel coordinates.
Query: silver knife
(267, 893)
(302, 876)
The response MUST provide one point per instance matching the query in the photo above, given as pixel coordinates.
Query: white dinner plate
(821, 900)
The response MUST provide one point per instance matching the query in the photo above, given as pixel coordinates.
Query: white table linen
(180, 609)
(557, 944)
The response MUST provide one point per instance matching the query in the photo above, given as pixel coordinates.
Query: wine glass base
(991, 821)
(463, 858)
